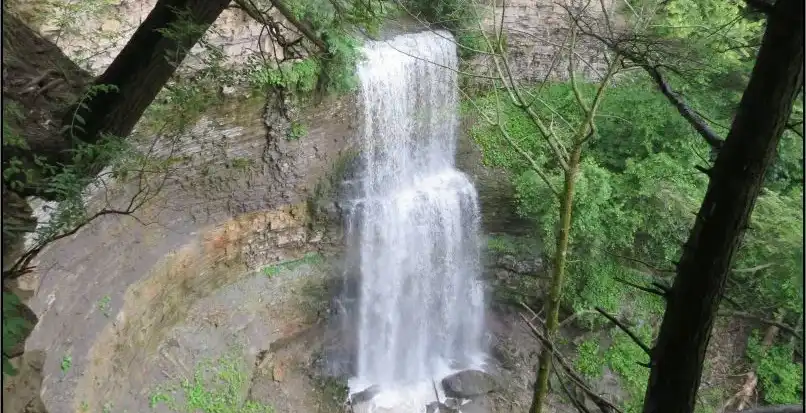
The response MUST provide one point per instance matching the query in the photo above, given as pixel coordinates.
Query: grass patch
(217, 386)
(311, 258)
(67, 363)
(104, 305)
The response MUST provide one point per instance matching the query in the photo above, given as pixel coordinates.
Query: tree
(636, 219)
(565, 144)
(736, 180)
(113, 103)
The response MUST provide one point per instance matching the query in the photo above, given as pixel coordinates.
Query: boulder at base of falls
(467, 384)
(365, 395)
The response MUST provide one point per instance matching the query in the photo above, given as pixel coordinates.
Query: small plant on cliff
(297, 131)
(588, 361)
(104, 305)
(67, 363)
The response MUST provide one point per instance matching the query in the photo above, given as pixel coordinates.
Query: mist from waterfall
(415, 220)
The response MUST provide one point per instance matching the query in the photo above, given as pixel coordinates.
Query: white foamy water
(421, 306)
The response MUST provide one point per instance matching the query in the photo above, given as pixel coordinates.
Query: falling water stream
(421, 310)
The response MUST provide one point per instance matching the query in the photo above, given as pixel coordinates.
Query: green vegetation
(297, 130)
(512, 245)
(67, 363)
(781, 377)
(15, 328)
(623, 356)
(104, 305)
(637, 192)
(588, 361)
(636, 195)
(311, 258)
(217, 386)
(334, 392)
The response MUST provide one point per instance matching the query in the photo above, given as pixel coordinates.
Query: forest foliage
(638, 192)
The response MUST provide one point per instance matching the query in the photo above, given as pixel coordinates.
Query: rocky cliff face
(534, 32)
(203, 232)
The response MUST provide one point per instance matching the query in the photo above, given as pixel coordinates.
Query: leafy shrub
(780, 377)
(589, 361)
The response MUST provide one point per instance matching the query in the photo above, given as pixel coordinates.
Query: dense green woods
(640, 184)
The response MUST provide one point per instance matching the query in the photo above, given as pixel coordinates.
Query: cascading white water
(421, 308)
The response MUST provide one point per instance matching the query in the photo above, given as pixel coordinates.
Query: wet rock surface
(365, 395)
(468, 383)
(523, 266)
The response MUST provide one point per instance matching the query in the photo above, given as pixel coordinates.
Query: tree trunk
(146, 63)
(553, 303)
(736, 180)
(138, 73)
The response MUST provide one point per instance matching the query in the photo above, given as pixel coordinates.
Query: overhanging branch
(696, 121)
(626, 330)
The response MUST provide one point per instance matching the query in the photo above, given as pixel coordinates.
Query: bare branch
(301, 26)
(642, 288)
(652, 268)
(580, 405)
(626, 330)
(532, 163)
(603, 403)
(517, 99)
(690, 115)
(441, 65)
(697, 122)
(749, 316)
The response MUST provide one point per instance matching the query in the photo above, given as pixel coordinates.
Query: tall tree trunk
(736, 180)
(558, 276)
(138, 73)
(146, 63)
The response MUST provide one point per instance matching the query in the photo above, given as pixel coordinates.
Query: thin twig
(644, 263)
(749, 316)
(626, 330)
(642, 288)
(599, 400)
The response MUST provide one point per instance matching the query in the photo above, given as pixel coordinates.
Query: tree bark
(552, 306)
(736, 180)
(138, 73)
(146, 63)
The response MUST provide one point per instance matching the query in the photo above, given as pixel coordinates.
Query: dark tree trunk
(139, 72)
(736, 180)
(146, 63)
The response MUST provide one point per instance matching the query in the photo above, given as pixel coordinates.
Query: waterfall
(416, 220)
